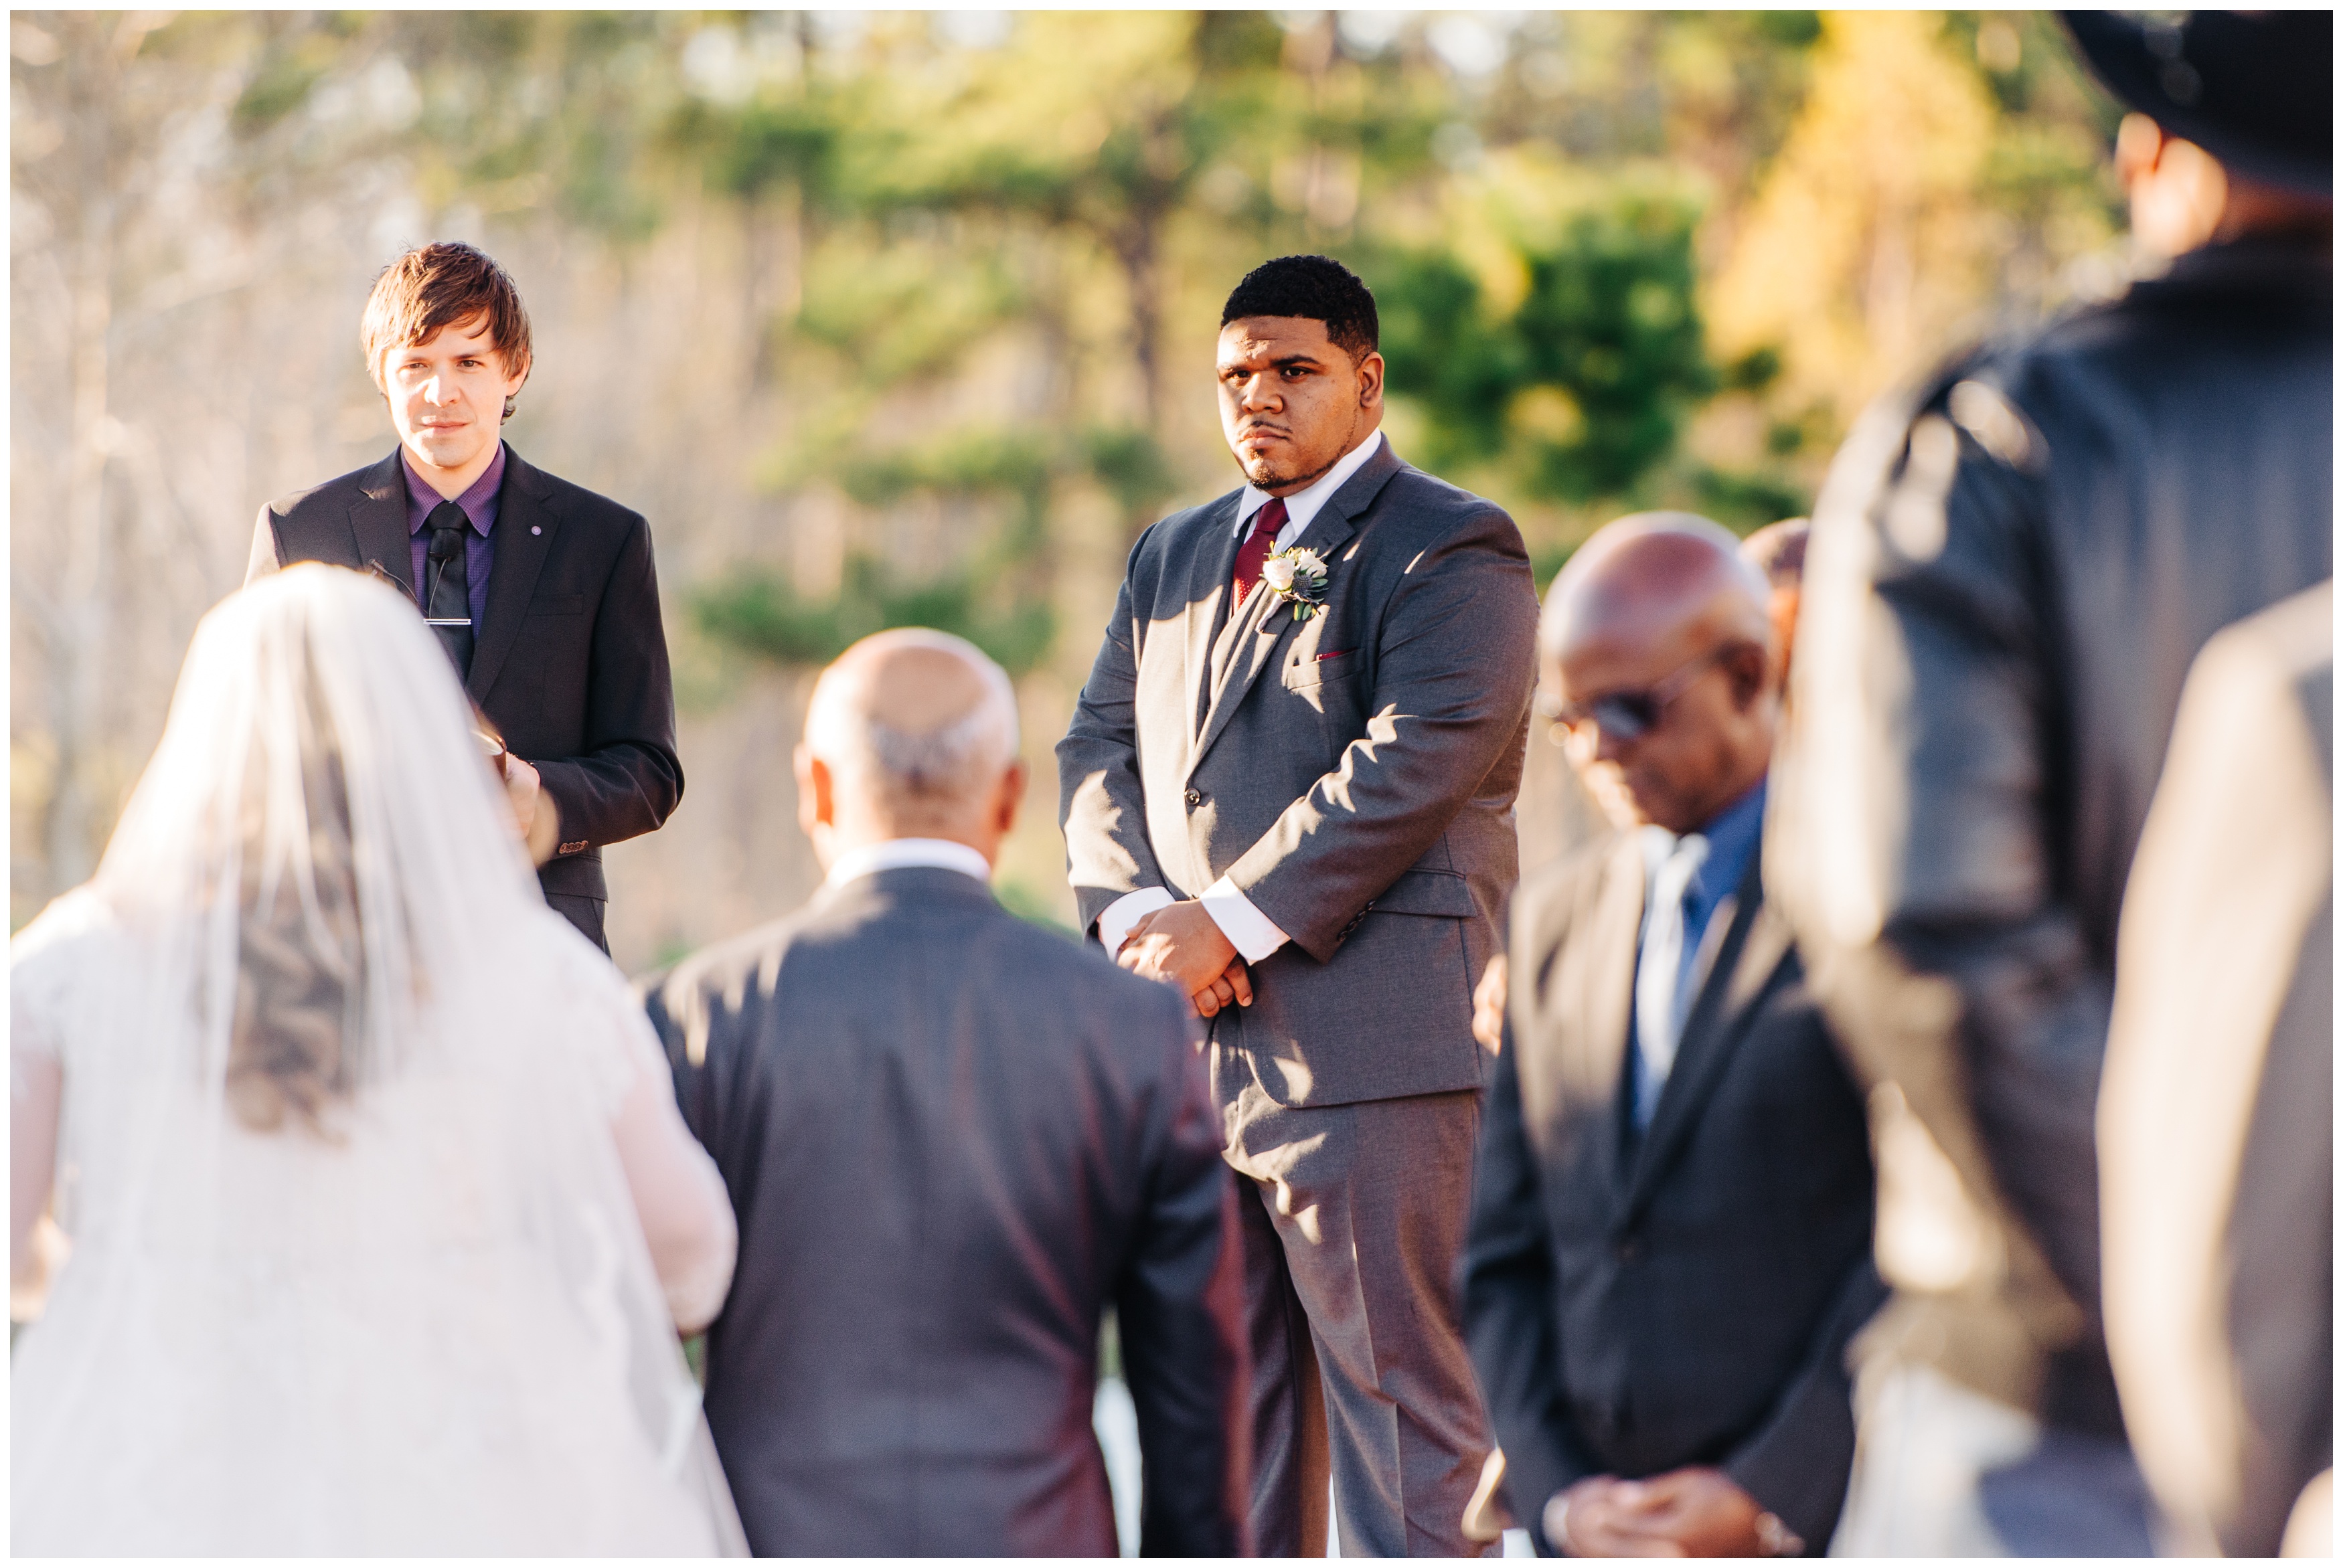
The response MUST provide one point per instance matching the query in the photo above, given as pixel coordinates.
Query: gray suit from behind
(1353, 775)
(952, 1141)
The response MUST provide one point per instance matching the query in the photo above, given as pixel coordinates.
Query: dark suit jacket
(953, 1139)
(570, 661)
(1353, 774)
(1636, 1304)
(2013, 564)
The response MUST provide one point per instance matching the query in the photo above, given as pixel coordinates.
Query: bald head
(1655, 579)
(1658, 653)
(913, 733)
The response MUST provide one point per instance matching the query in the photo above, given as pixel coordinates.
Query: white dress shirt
(1250, 932)
(896, 853)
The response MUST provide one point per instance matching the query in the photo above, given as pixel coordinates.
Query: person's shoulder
(1176, 533)
(1418, 504)
(71, 919)
(733, 968)
(573, 501)
(338, 493)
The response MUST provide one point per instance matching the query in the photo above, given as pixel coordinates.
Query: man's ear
(1371, 380)
(816, 792)
(1750, 666)
(1012, 792)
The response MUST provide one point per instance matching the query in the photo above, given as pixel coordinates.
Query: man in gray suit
(1289, 787)
(952, 1139)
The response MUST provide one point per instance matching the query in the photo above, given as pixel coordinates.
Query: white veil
(335, 1150)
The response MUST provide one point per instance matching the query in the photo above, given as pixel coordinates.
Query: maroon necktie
(1257, 546)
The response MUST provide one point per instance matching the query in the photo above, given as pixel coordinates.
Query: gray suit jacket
(953, 1139)
(1684, 1296)
(1353, 774)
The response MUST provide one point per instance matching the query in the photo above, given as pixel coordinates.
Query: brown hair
(299, 959)
(445, 284)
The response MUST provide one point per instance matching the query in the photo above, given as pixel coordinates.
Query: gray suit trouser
(1353, 1228)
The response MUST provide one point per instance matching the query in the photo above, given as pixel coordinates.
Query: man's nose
(437, 390)
(1260, 392)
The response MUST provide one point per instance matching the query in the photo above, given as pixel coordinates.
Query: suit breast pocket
(558, 604)
(1306, 671)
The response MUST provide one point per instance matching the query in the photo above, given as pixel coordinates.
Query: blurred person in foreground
(2012, 568)
(955, 1140)
(1289, 787)
(384, 1223)
(2216, 1117)
(1671, 1235)
(542, 593)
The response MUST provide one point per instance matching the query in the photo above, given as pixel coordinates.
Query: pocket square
(1336, 654)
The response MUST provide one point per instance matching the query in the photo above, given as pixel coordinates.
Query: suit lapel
(1746, 962)
(378, 522)
(1597, 1069)
(1265, 621)
(526, 526)
(1211, 569)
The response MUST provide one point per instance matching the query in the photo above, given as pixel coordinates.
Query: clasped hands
(1181, 945)
(1695, 1511)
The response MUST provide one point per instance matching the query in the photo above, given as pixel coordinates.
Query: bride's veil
(342, 1042)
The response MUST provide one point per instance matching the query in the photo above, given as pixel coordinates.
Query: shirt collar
(895, 854)
(1732, 834)
(478, 501)
(1302, 506)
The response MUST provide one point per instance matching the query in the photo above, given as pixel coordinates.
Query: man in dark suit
(542, 593)
(953, 1139)
(2016, 560)
(1288, 786)
(1671, 1230)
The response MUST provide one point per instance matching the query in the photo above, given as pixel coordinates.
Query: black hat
(2257, 89)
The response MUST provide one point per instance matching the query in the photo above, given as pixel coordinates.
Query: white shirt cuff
(1252, 933)
(1115, 921)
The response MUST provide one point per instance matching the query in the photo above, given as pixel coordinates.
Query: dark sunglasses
(1631, 714)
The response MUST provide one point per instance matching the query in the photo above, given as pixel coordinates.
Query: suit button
(1195, 796)
(1627, 1249)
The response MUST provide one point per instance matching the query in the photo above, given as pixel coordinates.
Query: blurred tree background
(908, 318)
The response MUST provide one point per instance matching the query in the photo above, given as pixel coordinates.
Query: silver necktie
(1659, 971)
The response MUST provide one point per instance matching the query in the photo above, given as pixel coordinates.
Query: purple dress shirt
(479, 504)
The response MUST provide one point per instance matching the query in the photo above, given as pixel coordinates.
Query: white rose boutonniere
(1298, 577)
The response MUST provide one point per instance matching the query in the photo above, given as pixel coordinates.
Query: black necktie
(448, 594)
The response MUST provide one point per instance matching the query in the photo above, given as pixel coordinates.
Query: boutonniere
(1298, 577)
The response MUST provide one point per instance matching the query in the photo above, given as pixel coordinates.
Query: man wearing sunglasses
(1671, 1234)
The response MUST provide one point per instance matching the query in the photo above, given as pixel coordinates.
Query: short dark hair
(445, 284)
(1316, 289)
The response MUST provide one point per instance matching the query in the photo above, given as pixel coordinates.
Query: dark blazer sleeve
(1101, 809)
(1922, 781)
(1509, 1325)
(1179, 1304)
(1454, 671)
(1796, 1464)
(628, 779)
